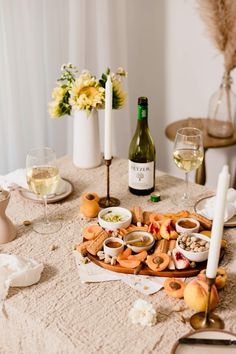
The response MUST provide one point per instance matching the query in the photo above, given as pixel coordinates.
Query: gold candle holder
(106, 202)
(207, 319)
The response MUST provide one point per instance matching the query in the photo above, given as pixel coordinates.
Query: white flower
(143, 313)
(120, 71)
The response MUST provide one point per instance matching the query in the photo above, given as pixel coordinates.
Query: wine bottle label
(141, 175)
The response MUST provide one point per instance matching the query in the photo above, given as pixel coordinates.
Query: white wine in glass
(43, 178)
(188, 156)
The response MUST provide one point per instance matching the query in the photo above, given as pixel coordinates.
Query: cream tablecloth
(61, 315)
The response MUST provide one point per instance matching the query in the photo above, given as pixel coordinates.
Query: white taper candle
(218, 222)
(108, 120)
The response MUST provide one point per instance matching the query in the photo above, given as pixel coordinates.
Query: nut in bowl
(139, 241)
(114, 218)
(187, 225)
(113, 246)
(194, 247)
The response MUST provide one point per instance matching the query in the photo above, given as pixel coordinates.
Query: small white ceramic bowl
(136, 235)
(125, 215)
(194, 256)
(112, 250)
(187, 230)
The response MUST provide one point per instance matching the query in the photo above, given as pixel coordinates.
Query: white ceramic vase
(7, 229)
(86, 139)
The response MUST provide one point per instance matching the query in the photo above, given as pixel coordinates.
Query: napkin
(17, 271)
(90, 273)
(230, 206)
(18, 177)
(15, 177)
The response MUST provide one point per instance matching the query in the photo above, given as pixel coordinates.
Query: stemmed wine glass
(43, 178)
(188, 156)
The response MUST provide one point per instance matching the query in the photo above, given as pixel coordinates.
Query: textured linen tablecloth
(61, 315)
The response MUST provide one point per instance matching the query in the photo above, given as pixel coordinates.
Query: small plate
(67, 190)
(203, 348)
(200, 204)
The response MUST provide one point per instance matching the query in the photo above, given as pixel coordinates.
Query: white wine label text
(141, 175)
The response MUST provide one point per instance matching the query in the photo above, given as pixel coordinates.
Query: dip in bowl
(187, 225)
(113, 246)
(144, 243)
(114, 218)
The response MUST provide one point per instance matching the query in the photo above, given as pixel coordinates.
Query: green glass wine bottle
(142, 154)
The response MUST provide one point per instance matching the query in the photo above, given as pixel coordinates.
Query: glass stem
(45, 209)
(186, 193)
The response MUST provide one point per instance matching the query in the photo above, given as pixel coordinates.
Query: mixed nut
(192, 243)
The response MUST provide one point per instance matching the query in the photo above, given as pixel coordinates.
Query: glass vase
(222, 108)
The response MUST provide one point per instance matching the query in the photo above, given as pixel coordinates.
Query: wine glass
(43, 178)
(188, 156)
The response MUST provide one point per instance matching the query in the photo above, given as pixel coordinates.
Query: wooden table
(209, 142)
(61, 315)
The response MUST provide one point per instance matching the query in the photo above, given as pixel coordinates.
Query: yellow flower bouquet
(85, 92)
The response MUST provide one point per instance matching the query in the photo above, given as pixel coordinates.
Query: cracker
(82, 247)
(205, 223)
(172, 244)
(162, 246)
(137, 214)
(146, 215)
(97, 244)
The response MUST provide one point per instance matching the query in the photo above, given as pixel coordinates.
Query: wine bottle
(142, 154)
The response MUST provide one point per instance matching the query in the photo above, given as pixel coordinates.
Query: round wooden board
(147, 271)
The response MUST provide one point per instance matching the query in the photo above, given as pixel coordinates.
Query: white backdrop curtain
(37, 36)
(162, 44)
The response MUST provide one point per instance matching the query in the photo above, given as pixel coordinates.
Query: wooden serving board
(191, 272)
(185, 273)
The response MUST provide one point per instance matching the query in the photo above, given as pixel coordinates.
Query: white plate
(65, 190)
(200, 204)
(203, 348)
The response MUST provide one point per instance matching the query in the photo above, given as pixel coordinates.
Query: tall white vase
(86, 140)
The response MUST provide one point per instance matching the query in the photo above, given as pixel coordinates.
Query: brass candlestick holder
(207, 319)
(106, 202)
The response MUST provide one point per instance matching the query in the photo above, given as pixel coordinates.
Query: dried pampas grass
(220, 19)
